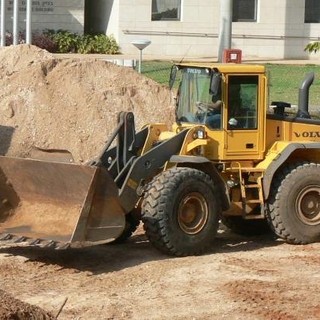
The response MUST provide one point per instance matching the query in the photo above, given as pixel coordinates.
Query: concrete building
(189, 28)
(267, 29)
(54, 14)
(262, 28)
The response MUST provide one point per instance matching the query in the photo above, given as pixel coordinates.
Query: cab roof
(226, 67)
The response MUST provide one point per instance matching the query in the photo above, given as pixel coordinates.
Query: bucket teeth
(48, 244)
(34, 242)
(6, 236)
(62, 246)
(20, 239)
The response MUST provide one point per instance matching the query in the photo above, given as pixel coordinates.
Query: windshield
(195, 102)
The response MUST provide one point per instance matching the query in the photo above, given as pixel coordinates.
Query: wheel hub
(193, 213)
(308, 205)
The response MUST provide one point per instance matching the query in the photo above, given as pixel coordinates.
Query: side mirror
(173, 75)
(215, 84)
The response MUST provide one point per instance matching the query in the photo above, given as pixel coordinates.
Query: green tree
(312, 47)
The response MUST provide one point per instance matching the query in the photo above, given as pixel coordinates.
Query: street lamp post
(140, 44)
(15, 22)
(29, 22)
(3, 24)
(225, 32)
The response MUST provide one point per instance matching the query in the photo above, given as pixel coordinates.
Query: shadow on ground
(137, 250)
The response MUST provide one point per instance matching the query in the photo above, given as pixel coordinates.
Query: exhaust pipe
(303, 104)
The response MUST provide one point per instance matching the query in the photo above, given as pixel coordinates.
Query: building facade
(270, 29)
(264, 29)
(53, 14)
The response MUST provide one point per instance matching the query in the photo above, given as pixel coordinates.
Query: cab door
(243, 123)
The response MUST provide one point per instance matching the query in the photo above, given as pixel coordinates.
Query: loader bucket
(59, 204)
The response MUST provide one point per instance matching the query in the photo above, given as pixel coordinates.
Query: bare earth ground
(242, 278)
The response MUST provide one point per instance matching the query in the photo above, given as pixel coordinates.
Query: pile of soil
(70, 103)
(11, 308)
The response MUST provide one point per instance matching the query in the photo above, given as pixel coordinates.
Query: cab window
(242, 102)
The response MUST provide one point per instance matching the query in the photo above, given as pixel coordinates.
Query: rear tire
(181, 211)
(294, 203)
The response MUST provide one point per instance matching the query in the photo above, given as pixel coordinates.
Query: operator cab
(202, 97)
(230, 100)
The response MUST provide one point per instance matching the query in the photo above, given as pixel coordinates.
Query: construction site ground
(241, 278)
(72, 104)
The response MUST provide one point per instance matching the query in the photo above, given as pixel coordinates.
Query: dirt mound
(70, 104)
(11, 308)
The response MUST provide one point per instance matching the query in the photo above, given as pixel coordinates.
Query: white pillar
(15, 31)
(3, 24)
(225, 32)
(29, 22)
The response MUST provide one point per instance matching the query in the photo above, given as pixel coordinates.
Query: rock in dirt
(70, 103)
(11, 308)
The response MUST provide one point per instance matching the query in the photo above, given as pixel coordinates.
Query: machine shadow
(6, 134)
(136, 251)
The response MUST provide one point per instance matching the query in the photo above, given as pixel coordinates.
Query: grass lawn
(284, 80)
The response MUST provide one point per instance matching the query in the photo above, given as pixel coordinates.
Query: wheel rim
(308, 205)
(193, 213)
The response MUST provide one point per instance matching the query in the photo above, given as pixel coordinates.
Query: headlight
(200, 134)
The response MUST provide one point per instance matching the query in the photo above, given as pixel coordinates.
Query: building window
(312, 11)
(166, 10)
(244, 11)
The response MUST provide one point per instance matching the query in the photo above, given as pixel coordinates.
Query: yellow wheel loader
(227, 158)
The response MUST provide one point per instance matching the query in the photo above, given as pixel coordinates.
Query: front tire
(181, 211)
(294, 203)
